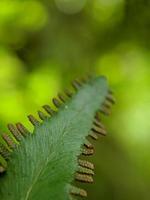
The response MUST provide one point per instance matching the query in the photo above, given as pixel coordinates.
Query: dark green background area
(44, 44)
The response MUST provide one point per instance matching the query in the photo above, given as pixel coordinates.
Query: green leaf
(44, 164)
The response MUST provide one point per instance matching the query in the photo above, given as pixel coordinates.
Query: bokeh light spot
(108, 12)
(70, 6)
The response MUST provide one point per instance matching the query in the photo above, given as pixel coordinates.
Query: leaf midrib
(35, 179)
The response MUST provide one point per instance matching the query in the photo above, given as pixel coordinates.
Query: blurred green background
(44, 44)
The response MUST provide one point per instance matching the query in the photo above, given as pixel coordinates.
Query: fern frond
(43, 165)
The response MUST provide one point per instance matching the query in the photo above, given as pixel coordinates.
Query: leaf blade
(47, 160)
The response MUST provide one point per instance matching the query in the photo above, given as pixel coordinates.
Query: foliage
(42, 51)
(45, 162)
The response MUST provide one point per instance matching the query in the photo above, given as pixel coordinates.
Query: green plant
(44, 164)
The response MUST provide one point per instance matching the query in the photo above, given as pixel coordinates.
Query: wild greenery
(43, 164)
(42, 51)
